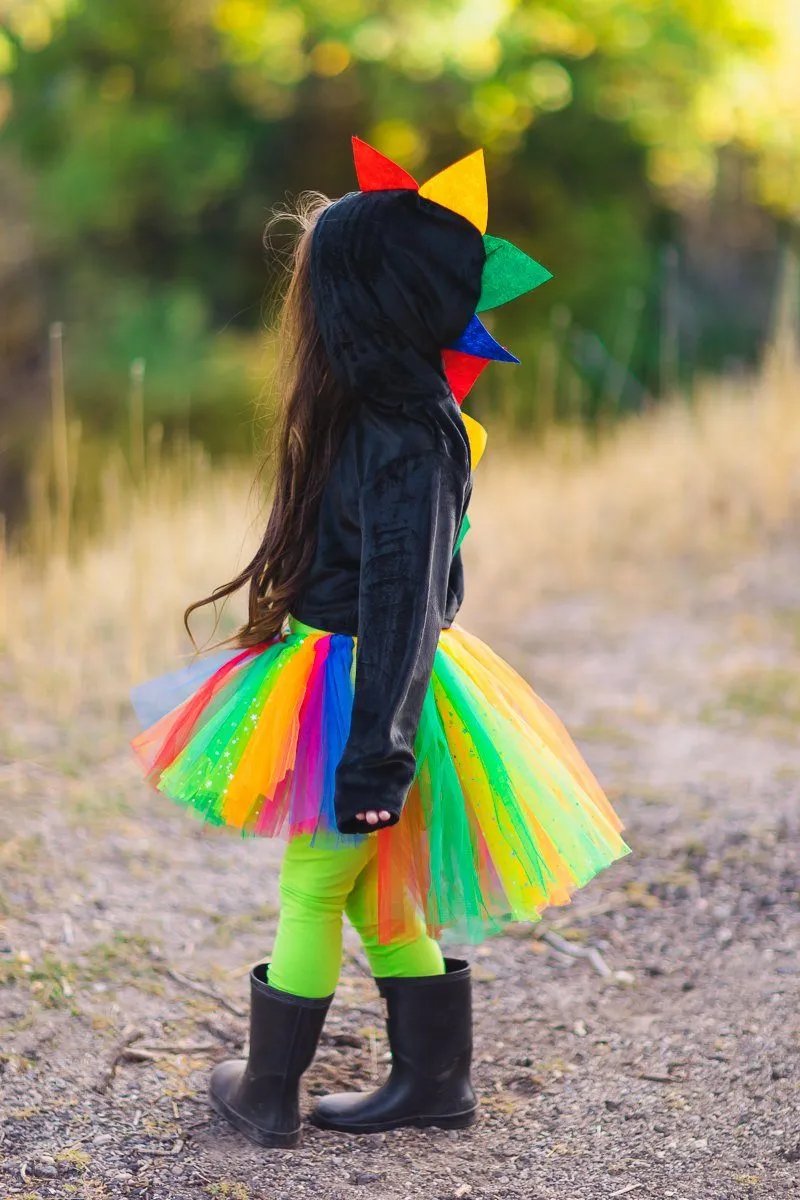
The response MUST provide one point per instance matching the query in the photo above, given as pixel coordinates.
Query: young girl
(421, 783)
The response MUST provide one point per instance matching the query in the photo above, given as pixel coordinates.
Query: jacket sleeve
(455, 589)
(410, 511)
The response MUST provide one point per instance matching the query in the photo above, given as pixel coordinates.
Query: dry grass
(111, 611)
(707, 482)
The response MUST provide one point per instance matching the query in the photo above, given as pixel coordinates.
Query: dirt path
(676, 1076)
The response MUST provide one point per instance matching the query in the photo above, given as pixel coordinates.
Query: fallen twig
(187, 1129)
(194, 986)
(231, 1037)
(178, 1047)
(572, 951)
(138, 1054)
(133, 1054)
(176, 1148)
(129, 1035)
(657, 1078)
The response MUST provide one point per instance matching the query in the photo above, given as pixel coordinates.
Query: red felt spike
(376, 172)
(462, 370)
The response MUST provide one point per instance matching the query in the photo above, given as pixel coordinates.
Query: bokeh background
(648, 152)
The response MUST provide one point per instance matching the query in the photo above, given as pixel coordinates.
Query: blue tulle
(155, 698)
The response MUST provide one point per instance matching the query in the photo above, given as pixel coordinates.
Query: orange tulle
(503, 819)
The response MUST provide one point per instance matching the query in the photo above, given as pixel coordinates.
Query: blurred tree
(158, 134)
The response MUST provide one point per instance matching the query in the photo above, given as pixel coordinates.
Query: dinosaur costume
(373, 698)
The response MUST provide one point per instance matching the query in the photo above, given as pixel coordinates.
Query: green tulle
(200, 775)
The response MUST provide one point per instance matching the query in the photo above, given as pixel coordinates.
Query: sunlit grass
(678, 485)
(704, 483)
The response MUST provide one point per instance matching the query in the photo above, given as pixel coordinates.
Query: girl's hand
(372, 817)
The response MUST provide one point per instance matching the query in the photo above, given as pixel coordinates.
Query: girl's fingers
(384, 815)
(373, 817)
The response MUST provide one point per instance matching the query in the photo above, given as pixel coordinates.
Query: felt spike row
(508, 272)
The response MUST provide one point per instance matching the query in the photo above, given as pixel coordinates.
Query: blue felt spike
(477, 340)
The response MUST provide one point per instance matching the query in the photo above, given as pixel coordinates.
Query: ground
(673, 1073)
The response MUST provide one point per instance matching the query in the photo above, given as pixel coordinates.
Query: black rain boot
(259, 1095)
(429, 1023)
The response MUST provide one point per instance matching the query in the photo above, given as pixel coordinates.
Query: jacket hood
(395, 278)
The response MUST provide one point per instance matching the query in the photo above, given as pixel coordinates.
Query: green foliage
(49, 980)
(159, 133)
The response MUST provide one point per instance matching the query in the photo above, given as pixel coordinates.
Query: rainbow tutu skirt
(503, 818)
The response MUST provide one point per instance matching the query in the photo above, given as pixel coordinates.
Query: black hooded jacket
(395, 278)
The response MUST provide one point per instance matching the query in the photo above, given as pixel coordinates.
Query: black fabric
(395, 278)
(259, 1095)
(429, 1024)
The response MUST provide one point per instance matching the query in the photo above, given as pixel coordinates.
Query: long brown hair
(313, 414)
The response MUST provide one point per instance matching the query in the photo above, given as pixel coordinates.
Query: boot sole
(456, 1121)
(266, 1138)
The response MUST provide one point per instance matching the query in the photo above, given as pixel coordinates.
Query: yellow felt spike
(462, 188)
(477, 436)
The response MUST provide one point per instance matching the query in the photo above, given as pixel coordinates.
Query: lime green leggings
(317, 885)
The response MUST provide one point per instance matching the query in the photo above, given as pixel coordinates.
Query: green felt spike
(507, 273)
(462, 533)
